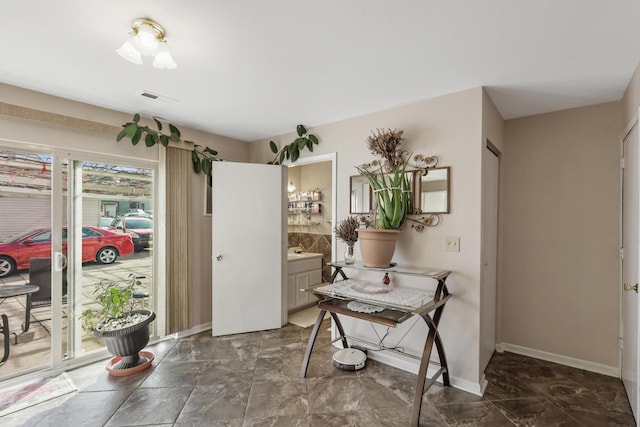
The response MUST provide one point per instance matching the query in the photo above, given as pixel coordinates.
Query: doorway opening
(311, 210)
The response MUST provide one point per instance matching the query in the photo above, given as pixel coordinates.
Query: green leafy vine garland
(203, 157)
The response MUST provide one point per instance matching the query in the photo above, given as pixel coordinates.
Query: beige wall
(560, 214)
(631, 98)
(28, 131)
(450, 127)
(58, 136)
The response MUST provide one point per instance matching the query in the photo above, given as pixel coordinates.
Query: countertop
(302, 255)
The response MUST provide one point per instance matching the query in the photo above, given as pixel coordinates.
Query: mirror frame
(371, 201)
(448, 192)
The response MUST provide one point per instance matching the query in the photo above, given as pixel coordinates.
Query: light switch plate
(452, 244)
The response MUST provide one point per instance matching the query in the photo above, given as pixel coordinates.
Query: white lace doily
(361, 307)
(405, 297)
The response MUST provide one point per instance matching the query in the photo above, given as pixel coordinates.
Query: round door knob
(628, 287)
(219, 257)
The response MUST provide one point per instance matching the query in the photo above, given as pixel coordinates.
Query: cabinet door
(315, 278)
(302, 282)
(292, 290)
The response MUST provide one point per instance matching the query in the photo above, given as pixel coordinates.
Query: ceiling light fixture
(291, 188)
(147, 38)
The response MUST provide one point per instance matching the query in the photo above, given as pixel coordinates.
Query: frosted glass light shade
(164, 59)
(146, 41)
(129, 52)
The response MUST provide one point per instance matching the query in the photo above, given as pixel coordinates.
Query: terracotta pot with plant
(393, 195)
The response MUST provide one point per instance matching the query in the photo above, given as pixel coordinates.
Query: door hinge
(621, 343)
(621, 162)
(621, 254)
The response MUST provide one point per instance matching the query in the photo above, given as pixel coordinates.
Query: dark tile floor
(253, 380)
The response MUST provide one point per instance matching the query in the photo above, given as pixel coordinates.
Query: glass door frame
(74, 247)
(73, 168)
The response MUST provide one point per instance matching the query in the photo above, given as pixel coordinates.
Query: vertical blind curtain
(178, 266)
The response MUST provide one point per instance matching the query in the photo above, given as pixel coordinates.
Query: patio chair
(40, 275)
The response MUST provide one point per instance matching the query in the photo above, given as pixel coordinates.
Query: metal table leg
(314, 335)
(432, 338)
(27, 316)
(312, 341)
(5, 334)
(338, 324)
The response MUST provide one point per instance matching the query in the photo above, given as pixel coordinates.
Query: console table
(394, 307)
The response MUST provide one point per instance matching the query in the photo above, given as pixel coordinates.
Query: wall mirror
(361, 196)
(434, 191)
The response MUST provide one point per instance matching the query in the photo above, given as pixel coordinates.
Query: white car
(104, 222)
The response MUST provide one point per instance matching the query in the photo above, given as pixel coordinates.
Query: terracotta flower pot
(377, 246)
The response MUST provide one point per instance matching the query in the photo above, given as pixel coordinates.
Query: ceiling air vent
(158, 97)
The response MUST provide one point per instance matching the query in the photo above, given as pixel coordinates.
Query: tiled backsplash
(316, 243)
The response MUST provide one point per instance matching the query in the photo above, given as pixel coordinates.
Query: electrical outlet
(452, 244)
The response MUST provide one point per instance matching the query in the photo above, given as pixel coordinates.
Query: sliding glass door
(25, 235)
(73, 222)
(109, 239)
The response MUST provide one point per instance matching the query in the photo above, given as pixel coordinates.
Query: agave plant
(393, 194)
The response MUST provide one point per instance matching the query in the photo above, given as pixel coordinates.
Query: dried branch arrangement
(384, 143)
(346, 230)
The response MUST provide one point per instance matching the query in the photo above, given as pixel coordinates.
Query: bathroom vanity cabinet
(304, 270)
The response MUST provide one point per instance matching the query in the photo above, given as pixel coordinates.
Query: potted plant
(123, 327)
(393, 195)
(347, 231)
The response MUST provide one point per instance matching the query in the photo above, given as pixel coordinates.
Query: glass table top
(396, 297)
(434, 273)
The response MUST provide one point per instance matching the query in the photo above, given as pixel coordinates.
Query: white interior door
(630, 236)
(490, 254)
(249, 247)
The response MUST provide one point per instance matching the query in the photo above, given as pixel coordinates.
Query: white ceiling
(251, 69)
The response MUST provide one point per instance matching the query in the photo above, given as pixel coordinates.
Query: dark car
(101, 246)
(140, 229)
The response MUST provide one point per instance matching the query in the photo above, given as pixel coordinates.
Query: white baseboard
(612, 371)
(195, 330)
(412, 366)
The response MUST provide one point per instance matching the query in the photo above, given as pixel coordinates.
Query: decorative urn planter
(377, 246)
(126, 343)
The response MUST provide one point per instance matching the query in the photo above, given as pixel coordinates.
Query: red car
(101, 246)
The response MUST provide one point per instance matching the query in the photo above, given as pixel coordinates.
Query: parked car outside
(139, 228)
(138, 212)
(101, 246)
(104, 222)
